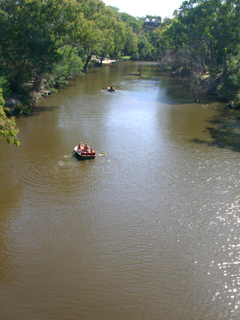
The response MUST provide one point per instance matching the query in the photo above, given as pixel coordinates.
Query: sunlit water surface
(147, 230)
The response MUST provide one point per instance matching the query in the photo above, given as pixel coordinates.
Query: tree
(145, 47)
(130, 21)
(131, 44)
(7, 125)
(207, 31)
(31, 32)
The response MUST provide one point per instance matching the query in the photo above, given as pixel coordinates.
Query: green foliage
(131, 44)
(234, 81)
(40, 39)
(207, 31)
(53, 40)
(231, 80)
(130, 21)
(69, 65)
(145, 47)
(8, 129)
(21, 110)
(6, 91)
(31, 32)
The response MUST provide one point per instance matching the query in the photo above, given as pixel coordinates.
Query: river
(147, 230)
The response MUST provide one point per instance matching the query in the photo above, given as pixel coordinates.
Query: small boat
(111, 88)
(84, 155)
(135, 74)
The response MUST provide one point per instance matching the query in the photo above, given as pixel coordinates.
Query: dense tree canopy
(207, 31)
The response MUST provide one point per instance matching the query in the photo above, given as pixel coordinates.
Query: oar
(70, 155)
(101, 153)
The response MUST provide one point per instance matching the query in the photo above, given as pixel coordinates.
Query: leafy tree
(207, 31)
(106, 35)
(145, 48)
(70, 65)
(31, 32)
(7, 125)
(130, 21)
(131, 44)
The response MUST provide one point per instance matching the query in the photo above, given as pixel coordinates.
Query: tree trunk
(225, 68)
(86, 63)
(37, 82)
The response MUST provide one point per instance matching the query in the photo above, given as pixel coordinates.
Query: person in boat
(80, 146)
(86, 148)
(92, 151)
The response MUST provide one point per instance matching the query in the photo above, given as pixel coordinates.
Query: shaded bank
(222, 85)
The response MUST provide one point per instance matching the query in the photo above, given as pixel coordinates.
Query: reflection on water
(147, 230)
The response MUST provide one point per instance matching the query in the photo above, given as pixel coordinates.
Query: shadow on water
(225, 134)
(37, 110)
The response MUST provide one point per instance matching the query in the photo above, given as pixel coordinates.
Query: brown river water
(148, 230)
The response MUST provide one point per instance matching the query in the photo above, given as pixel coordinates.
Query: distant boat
(111, 88)
(135, 74)
(107, 62)
(84, 155)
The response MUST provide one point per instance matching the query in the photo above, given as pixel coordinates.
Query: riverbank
(22, 104)
(213, 86)
(199, 83)
(216, 85)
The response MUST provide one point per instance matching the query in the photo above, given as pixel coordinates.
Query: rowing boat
(84, 155)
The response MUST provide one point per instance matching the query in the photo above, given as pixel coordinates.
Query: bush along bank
(225, 87)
